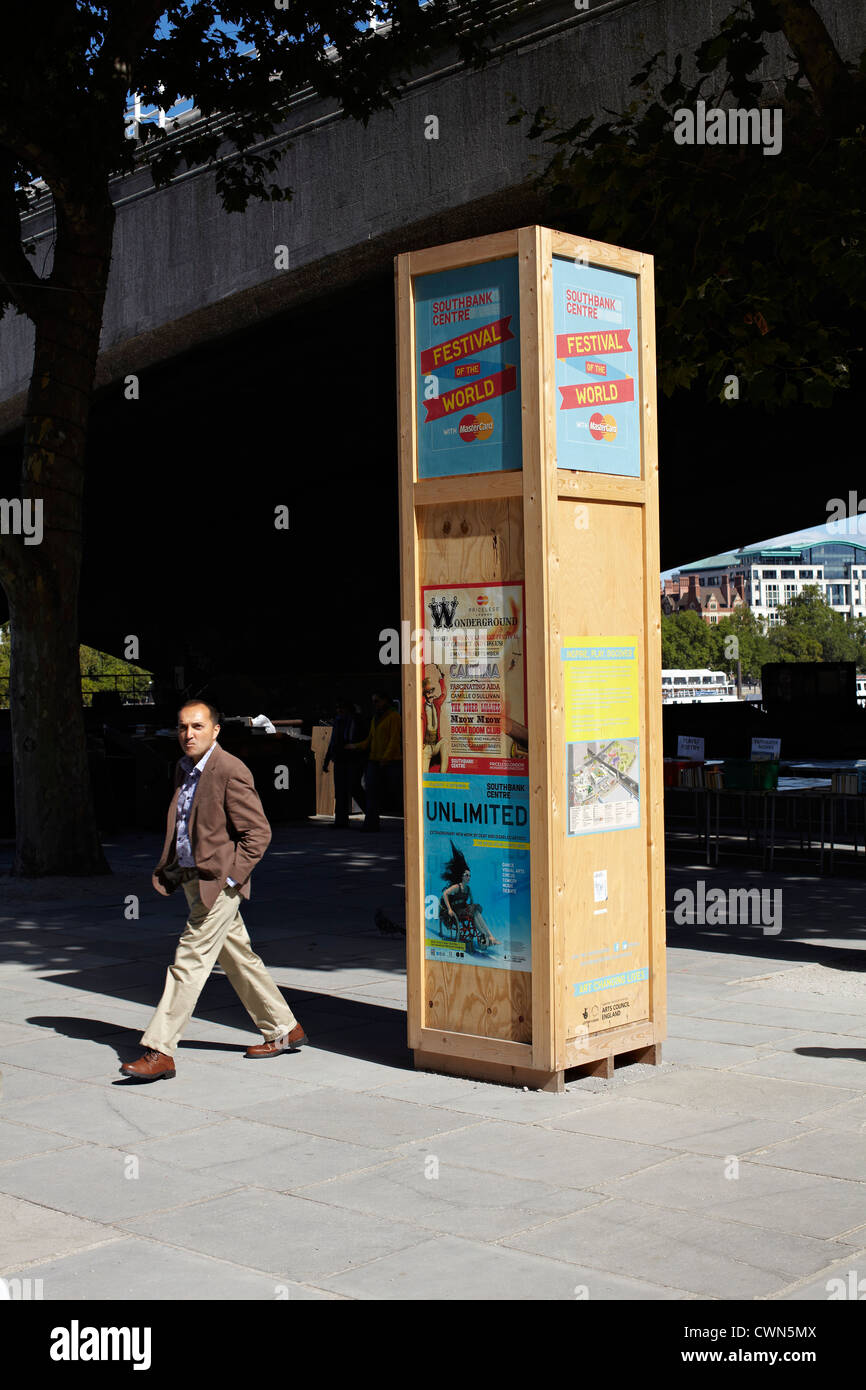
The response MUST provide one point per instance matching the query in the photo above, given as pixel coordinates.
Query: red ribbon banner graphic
(472, 394)
(489, 335)
(592, 393)
(594, 344)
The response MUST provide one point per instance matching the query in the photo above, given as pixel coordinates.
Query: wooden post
(529, 515)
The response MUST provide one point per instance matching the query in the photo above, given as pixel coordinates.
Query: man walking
(216, 834)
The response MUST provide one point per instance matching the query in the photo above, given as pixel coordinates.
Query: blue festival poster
(597, 369)
(476, 871)
(467, 362)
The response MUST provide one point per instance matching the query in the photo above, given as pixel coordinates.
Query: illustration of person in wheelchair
(459, 915)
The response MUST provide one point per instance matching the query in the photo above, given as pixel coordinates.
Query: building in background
(768, 574)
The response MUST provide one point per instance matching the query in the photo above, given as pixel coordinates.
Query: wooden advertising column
(533, 759)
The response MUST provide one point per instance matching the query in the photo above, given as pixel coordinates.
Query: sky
(849, 528)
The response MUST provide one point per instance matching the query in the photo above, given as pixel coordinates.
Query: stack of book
(850, 783)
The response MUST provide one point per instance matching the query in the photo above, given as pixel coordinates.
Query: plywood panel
(604, 596)
(471, 999)
(324, 780)
(463, 543)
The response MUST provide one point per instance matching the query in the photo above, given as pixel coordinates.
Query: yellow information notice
(601, 688)
(602, 734)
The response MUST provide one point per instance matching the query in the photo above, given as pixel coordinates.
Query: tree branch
(20, 280)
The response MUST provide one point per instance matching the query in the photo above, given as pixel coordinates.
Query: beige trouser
(211, 937)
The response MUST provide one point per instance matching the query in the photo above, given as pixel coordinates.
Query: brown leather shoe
(153, 1066)
(289, 1042)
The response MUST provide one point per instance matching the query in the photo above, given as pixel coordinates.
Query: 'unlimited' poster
(476, 871)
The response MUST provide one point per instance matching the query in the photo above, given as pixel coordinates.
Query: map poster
(473, 706)
(467, 364)
(602, 723)
(597, 369)
(476, 871)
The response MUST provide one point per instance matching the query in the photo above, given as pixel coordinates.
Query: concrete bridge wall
(184, 271)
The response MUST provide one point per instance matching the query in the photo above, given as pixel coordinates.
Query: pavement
(735, 1170)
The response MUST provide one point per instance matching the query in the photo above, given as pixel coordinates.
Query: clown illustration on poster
(597, 377)
(467, 360)
(474, 691)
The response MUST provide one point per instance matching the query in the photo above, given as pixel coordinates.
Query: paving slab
(31, 1231)
(739, 1094)
(450, 1269)
(139, 1270)
(711, 1258)
(701, 1052)
(115, 1116)
(760, 1195)
(533, 1151)
(21, 1140)
(833, 1153)
(370, 1119)
(236, 1153)
(493, 1102)
(842, 1281)
(91, 1182)
(452, 1201)
(293, 1237)
(24, 1083)
(848, 1116)
(676, 1127)
(724, 1030)
(745, 1010)
(818, 1058)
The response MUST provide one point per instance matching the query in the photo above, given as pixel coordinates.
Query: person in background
(383, 747)
(348, 785)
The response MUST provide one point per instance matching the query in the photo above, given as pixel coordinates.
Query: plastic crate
(746, 775)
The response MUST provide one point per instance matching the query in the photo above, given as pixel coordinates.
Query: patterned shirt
(184, 807)
(184, 810)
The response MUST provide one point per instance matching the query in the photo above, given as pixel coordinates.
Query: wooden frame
(503, 1025)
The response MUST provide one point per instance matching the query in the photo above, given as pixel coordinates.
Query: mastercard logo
(602, 427)
(474, 427)
(482, 599)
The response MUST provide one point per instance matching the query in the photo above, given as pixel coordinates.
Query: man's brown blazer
(228, 830)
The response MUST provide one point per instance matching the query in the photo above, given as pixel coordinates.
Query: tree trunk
(56, 829)
(816, 53)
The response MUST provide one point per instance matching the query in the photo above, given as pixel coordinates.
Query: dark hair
(382, 695)
(211, 709)
(456, 866)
